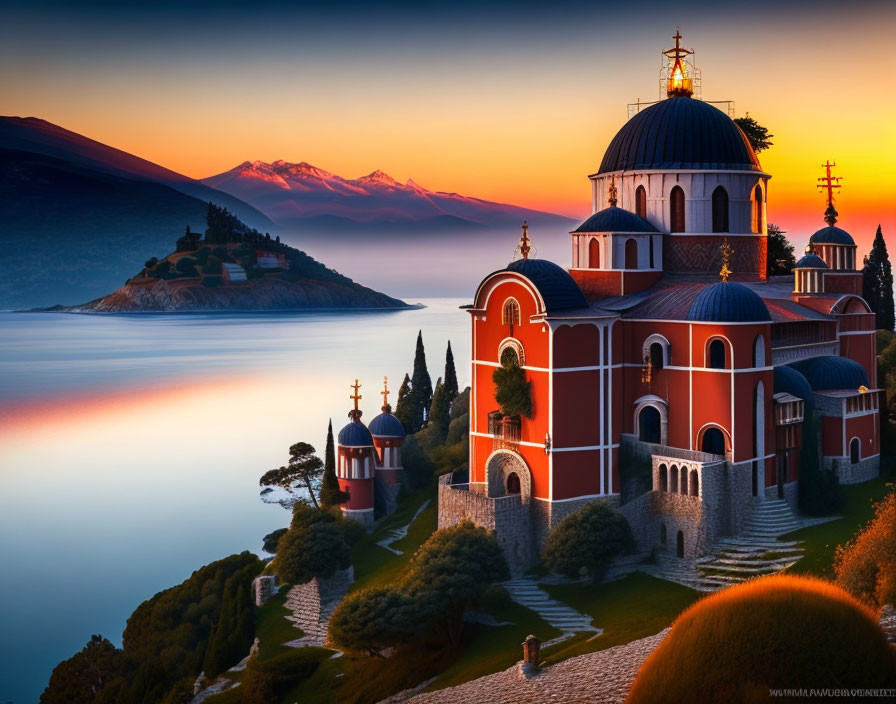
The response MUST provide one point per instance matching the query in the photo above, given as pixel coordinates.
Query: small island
(235, 268)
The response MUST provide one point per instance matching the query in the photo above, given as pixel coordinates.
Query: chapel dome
(355, 434)
(385, 425)
(680, 133)
(832, 235)
(828, 372)
(811, 261)
(615, 219)
(728, 302)
(557, 288)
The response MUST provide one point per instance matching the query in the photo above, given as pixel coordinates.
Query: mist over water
(131, 446)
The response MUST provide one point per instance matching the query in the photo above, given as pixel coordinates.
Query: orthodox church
(368, 461)
(668, 374)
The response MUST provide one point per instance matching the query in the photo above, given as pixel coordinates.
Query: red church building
(668, 373)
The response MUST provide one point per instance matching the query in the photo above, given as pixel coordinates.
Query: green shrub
(267, 681)
(587, 540)
(212, 281)
(774, 632)
(447, 575)
(512, 390)
(312, 547)
(186, 266)
(271, 540)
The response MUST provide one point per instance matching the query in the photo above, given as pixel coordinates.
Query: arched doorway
(594, 254)
(720, 210)
(631, 254)
(676, 210)
(855, 451)
(713, 441)
(679, 544)
(650, 425)
(507, 474)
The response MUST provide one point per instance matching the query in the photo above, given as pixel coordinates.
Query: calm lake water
(131, 446)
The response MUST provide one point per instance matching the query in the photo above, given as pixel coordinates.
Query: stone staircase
(313, 603)
(563, 617)
(756, 551)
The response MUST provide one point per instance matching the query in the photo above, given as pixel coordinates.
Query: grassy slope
(489, 649)
(821, 541)
(636, 606)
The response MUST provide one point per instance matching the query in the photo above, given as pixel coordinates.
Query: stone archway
(503, 467)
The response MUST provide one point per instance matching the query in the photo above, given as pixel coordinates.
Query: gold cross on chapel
(355, 396)
(385, 392)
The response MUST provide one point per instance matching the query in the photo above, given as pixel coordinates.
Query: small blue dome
(811, 261)
(557, 288)
(728, 302)
(355, 434)
(829, 373)
(832, 235)
(789, 381)
(615, 219)
(680, 133)
(385, 425)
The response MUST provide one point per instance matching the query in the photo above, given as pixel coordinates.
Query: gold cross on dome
(355, 396)
(385, 392)
(525, 246)
(827, 182)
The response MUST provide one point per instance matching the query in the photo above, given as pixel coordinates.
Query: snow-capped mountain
(295, 193)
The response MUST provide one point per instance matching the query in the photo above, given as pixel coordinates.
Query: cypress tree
(440, 412)
(330, 493)
(421, 385)
(404, 410)
(450, 375)
(877, 283)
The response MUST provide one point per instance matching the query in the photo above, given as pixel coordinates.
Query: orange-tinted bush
(776, 632)
(866, 567)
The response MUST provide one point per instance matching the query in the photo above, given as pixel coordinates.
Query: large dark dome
(728, 302)
(680, 133)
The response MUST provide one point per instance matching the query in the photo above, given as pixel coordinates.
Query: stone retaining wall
(849, 473)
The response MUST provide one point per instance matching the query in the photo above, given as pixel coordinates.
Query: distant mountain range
(77, 217)
(302, 194)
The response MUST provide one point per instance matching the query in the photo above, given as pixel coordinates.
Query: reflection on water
(131, 446)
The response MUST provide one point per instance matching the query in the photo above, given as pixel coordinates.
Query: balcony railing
(506, 430)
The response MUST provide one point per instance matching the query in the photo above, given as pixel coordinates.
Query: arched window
(713, 441)
(663, 534)
(511, 314)
(855, 450)
(676, 210)
(720, 210)
(684, 480)
(679, 544)
(695, 483)
(641, 201)
(513, 483)
(757, 209)
(664, 479)
(594, 254)
(656, 356)
(649, 429)
(717, 355)
(759, 351)
(631, 253)
(673, 476)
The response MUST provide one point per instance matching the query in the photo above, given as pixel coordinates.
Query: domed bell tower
(388, 437)
(355, 466)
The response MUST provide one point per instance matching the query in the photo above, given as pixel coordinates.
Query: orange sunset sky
(505, 102)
